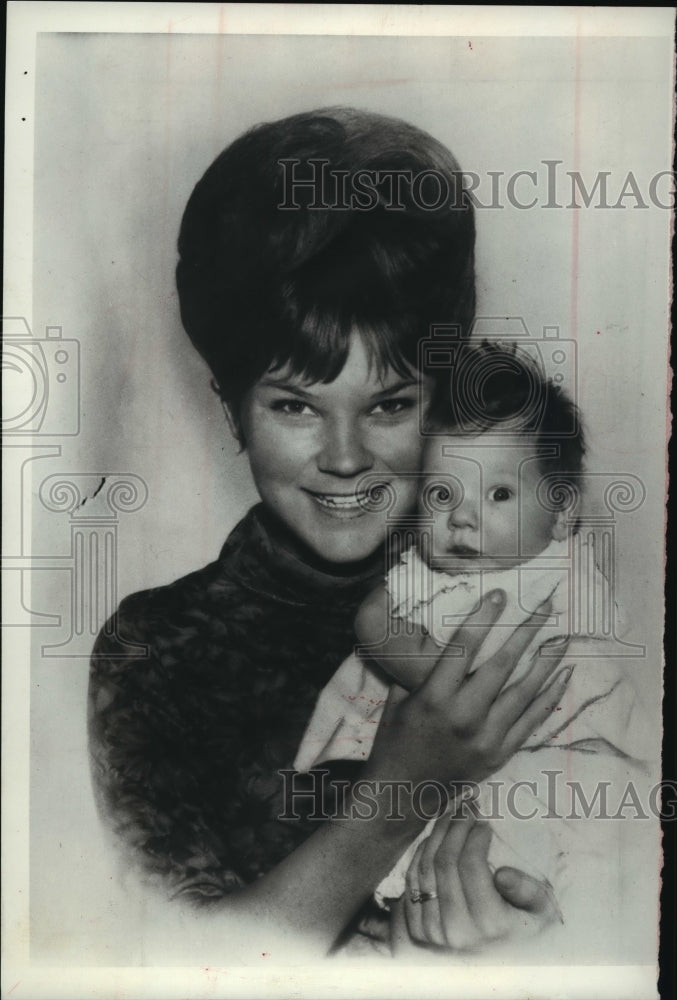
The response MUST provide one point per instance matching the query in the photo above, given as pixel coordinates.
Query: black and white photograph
(337, 407)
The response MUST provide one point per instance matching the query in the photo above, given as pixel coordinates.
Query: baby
(500, 483)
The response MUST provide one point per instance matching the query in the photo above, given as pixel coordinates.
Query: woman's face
(311, 446)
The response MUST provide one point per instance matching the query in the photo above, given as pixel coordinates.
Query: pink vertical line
(78, 584)
(573, 306)
(218, 83)
(94, 583)
(167, 144)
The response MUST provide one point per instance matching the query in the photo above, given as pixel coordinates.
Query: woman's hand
(459, 726)
(455, 726)
(453, 901)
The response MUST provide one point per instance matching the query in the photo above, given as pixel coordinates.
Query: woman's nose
(344, 452)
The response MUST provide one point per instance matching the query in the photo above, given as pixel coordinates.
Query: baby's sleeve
(346, 716)
(595, 763)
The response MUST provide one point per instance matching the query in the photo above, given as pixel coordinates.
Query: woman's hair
(307, 229)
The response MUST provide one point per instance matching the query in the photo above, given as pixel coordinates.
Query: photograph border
(21, 978)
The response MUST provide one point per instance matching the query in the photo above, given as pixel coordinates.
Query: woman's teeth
(342, 506)
(341, 501)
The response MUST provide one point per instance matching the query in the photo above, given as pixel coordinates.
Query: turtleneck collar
(262, 555)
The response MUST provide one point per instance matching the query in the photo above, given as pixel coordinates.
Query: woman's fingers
(537, 713)
(423, 901)
(459, 928)
(400, 937)
(412, 908)
(419, 880)
(433, 883)
(458, 657)
(513, 700)
(454, 900)
(486, 906)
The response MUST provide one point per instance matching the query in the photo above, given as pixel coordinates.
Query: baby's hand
(398, 647)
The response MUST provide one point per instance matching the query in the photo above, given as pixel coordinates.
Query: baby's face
(483, 494)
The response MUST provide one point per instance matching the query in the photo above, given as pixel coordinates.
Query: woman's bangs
(345, 292)
(319, 345)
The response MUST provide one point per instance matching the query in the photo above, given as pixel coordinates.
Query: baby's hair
(496, 384)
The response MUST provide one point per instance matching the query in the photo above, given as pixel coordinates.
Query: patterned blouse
(187, 739)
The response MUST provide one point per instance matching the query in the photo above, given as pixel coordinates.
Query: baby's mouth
(453, 558)
(463, 552)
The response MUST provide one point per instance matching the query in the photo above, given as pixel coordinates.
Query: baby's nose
(466, 515)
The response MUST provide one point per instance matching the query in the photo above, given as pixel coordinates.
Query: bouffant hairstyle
(498, 385)
(270, 277)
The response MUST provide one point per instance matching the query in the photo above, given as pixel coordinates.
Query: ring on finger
(422, 897)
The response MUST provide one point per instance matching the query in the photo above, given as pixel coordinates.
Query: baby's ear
(560, 526)
(371, 622)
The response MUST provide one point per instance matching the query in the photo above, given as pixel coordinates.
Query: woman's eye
(500, 493)
(393, 407)
(292, 407)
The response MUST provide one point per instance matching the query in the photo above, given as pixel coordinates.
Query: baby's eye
(292, 407)
(499, 494)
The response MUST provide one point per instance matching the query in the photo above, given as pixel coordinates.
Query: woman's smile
(342, 505)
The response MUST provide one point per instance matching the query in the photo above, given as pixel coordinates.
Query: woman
(309, 305)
